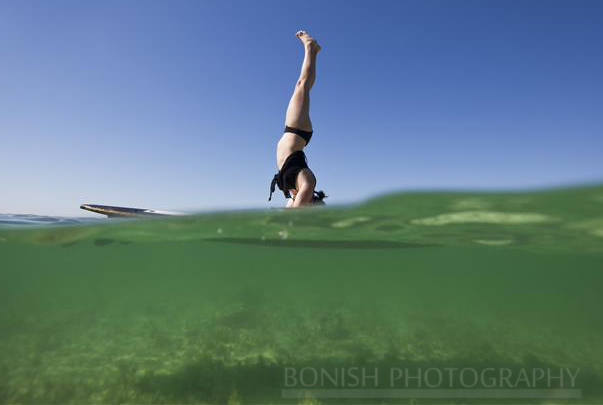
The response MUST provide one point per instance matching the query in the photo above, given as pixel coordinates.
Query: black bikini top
(285, 178)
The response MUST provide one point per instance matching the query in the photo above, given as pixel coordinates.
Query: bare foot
(307, 40)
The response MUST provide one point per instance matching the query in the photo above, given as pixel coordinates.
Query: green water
(214, 308)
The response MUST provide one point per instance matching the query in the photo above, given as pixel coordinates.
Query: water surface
(213, 308)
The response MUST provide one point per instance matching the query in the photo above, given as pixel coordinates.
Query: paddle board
(112, 212)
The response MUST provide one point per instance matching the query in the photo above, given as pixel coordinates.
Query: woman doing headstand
(295, 178)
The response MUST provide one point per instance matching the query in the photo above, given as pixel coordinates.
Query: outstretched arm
(304, 196)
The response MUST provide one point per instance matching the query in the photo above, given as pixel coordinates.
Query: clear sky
(179, 104)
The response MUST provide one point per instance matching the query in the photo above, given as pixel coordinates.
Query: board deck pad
(126, 212)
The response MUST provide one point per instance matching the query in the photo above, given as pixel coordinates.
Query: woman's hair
(318, 197)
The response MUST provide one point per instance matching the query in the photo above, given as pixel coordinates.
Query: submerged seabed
(215, 308)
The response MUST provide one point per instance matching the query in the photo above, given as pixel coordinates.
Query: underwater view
(415, 297)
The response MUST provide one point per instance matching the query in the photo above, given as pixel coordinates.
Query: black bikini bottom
(304, 134)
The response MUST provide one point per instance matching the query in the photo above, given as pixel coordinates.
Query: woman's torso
(288, 144)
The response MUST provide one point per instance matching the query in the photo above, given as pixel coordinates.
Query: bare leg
(298, 111)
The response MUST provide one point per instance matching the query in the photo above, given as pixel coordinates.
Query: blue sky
(179, 104)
